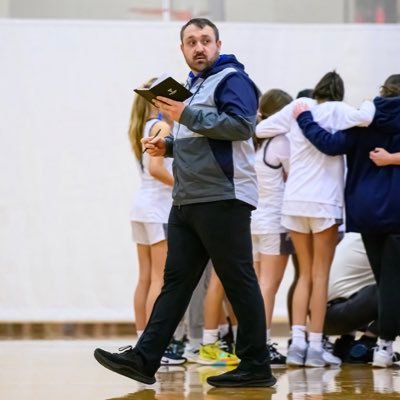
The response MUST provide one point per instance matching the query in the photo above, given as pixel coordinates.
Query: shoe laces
(217, 350)
(327, 345)
(225, 346)
(175, 347)
(273, 352)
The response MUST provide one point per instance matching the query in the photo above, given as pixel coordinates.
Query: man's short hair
(201, 23)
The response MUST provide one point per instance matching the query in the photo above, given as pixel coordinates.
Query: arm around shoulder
(331, 144)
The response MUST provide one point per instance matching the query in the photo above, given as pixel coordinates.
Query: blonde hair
(140, 113)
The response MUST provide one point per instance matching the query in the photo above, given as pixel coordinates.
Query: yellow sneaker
(212, 354)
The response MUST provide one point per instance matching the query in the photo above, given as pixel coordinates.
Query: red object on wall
(380, 15)
(184, 15)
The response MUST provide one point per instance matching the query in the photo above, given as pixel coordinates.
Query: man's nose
(199, 48)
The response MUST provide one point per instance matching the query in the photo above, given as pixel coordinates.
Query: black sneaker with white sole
(128, 363)
(174, 353)
(276, 358)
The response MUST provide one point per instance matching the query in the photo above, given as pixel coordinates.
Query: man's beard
(205, 64)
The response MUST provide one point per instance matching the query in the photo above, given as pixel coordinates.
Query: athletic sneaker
(295, 356)
(213, 354)
(275, 357)
(342, 346)
(174, 353)
(362, 350)
(320, 358)
(128, 363)
(382, 358)
(191, 354)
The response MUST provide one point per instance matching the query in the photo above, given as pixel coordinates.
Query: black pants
(383, 251)
(357, 313)
(220, 231)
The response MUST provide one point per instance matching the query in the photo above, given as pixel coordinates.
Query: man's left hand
(171, 107)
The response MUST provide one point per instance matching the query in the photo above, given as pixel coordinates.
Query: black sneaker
(275, 357)
(127, 363)
(362, 350)
(342, 346)
(240, 377)
(174, 353)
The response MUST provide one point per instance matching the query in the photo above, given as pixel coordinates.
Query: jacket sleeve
(235, 118)
(332, 144)
(169, 146)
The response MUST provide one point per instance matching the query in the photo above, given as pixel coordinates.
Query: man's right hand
(154, 146)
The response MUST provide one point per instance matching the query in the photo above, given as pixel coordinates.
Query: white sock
(210, 336)
(139, 333)
(193, 345)
(234, 330)
(315, 339)
(386, 345)
(268, 336)
(223, 330)
(299, 336)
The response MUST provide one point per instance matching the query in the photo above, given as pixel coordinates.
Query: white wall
(67, 175)
(4, 8)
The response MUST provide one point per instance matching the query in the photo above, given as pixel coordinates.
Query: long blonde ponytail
(140, 113)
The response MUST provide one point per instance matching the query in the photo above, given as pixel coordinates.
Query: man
(214, 193)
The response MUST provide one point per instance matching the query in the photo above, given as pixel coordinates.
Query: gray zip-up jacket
(212, 143)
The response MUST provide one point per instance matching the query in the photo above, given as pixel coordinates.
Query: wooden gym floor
(66, 369)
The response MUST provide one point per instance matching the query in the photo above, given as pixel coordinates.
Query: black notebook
(167, 87)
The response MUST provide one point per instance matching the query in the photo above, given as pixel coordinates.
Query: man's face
(200, 47)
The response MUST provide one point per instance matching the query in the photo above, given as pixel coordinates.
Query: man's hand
(154, 146)
(173, 108)
(380, 157)
(299, 108)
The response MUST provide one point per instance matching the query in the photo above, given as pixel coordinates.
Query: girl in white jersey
(150, 208)
(312, 210)
(271, 242)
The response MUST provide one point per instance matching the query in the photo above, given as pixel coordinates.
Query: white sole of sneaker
(169, 361)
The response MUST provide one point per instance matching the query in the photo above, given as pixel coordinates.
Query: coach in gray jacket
(214, 193)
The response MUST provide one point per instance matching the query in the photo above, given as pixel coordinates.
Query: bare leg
(270, 277)
(213, 302)
(158, 257)
(228, 311)
(304, 250)
(142, 287)
(290, 292)
(324, 250)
